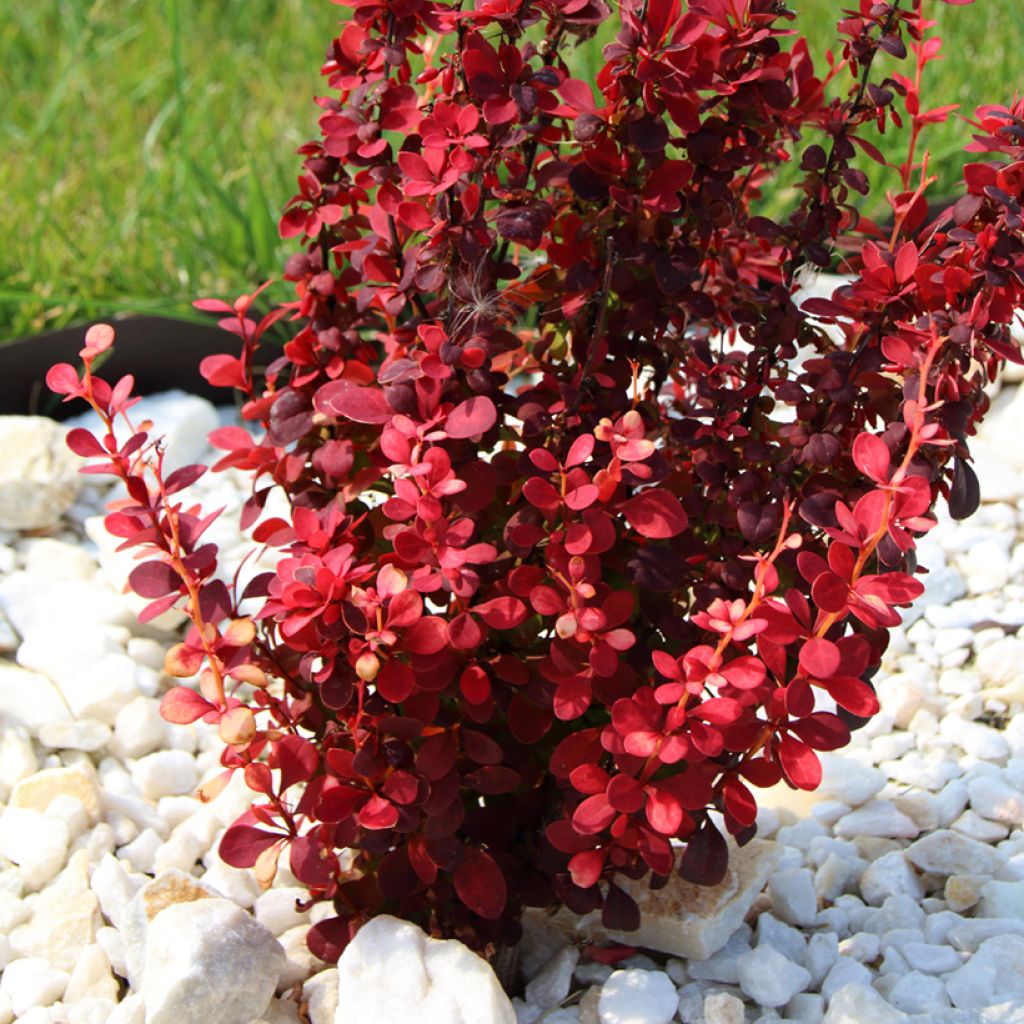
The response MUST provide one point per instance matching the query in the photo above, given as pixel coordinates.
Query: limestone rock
(29, 699)
(208, 960)
(946, 852)
(36, 843)
(391, 971)
(32, 982)
(39, 478)
(637, 997)
(687, 920)
(65, 918)
(166, 890)
(77, 780)
(321, 996)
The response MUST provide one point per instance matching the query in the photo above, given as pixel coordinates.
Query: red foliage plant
(594, 529)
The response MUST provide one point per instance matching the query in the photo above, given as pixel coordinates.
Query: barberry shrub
(594, 529)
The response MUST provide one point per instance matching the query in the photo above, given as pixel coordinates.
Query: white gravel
(899, 890)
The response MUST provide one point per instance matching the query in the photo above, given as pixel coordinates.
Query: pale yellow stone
(91, 977)
(77, 780)
(963, 891)
(683, 919)
(588, 1005)
(65, 918)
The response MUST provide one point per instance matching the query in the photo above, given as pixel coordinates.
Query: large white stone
(993, 975)
(859, 1003)
(165, 773)
(39, 478)
(139, 728)
(849, 781)
(793, 896)
(36, 843)
(994, 799)
(877, 818)
(890, 875)
(29, 699)
(551, 984)
(769, 978)
(208, 960)
(637, 997)
(32, 982)
(114, 887)
(391, 971)
(321, 996)
(946, 852)
(65, 918)
(40, 790)
(167, 890)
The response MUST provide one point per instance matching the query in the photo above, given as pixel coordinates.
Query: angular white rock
(848, 780)
(39, 478)
(793, 896)
(993, 975)
(32, 982)
(321, 996)
(916, 992)
(208, 960)
(391, 971)
(80, 735)
(949, 853)
(890, 875)
(275, 909)
(859, 1003)
(877, 818)
(994, 799)
(36, 843)
(844, 972)
(722, 1008)
(29, 699)
(139, 728)
(164, 773)
(552, 983)
(769, 978)
(637, 997)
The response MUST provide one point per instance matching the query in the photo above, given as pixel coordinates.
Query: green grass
(147, 145)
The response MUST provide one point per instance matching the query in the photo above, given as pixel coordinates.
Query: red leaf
(586, 867)
(820, 658)
(871, 456)
(664, 811)
(655, 514)
(706, 857)
(62, 379)
(154, 579)
(395, 682)
(241, 845)
(83, 443)
(481, 885)
(377, 813)
(182, 706)
(593, 815)
(473, 417)
(297, 759)
(343, 399)
(542, 494)
(800, 763)
(502, 612)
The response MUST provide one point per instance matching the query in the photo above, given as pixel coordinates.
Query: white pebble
(165, 773)
(32, 982)
(793, 897)
(769, 978)
(637, 997)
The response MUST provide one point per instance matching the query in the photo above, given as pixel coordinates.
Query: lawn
(148, 144)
